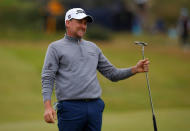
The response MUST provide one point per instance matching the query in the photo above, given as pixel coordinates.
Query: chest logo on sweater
(92, 53)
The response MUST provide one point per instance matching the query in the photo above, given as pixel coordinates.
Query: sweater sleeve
(109, 71)
(49, 70)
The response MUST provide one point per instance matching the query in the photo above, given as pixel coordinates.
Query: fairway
(127, 102)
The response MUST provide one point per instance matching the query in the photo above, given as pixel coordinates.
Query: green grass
(127, 102)
(167, 120)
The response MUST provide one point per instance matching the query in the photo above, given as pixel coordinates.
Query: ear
(67, 23)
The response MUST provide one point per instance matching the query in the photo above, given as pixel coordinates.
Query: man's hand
(50, 113)
(141, 66)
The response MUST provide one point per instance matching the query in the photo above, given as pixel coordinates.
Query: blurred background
(27, 27)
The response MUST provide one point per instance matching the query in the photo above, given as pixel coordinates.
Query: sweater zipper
(80, 48)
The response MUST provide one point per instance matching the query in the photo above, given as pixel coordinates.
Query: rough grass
(127, 102)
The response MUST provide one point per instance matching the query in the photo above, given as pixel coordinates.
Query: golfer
(70, 65)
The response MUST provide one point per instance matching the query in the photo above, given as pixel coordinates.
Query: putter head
(141, 43)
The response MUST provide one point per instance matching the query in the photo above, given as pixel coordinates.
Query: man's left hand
(141, 66)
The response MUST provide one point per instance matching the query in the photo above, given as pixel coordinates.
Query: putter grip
(154, 122)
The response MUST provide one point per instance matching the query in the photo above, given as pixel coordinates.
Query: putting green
(167, 120)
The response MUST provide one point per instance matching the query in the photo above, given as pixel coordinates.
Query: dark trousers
(80, 115)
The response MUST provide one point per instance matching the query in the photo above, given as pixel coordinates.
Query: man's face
(76, 28)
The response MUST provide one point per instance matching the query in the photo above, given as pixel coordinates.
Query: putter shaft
(150, 96)
(148, 85)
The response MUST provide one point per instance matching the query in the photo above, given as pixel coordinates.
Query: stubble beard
(81, 33)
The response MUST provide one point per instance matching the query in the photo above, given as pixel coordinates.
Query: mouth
(81, 31)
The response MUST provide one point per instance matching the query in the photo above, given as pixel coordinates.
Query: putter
(142, 44)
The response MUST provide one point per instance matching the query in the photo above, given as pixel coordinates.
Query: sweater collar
(71, 38)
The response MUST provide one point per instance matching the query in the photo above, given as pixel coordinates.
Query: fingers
(143, 65)
(145, 68)
(145, 60)
(50, 116)
(54, 115)
(146, 65)
(47, 118)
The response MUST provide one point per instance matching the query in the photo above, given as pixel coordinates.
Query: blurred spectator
(142, 13)
(136, 29)
(184, 26)
(141, 4)
(159, 26)
(122, 17)
(172, 33)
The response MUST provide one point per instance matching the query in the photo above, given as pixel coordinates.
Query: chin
(80, 35)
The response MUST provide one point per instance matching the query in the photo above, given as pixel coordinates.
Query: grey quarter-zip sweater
(70, 66)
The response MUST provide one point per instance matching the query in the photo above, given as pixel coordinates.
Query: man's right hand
(50, 113)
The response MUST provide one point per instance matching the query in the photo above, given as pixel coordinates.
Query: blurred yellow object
(55, 8)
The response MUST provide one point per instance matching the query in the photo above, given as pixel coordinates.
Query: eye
(80, 21)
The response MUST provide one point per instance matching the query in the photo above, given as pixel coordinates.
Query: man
(72, 63)
(184, 27)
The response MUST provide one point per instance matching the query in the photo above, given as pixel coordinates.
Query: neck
(73, 36)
